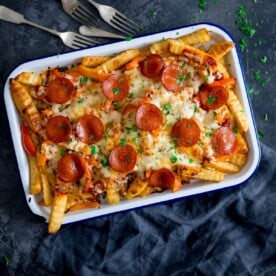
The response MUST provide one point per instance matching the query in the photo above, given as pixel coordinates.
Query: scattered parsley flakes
(116, 90)
(93, 149)
(243, 44)
(128, 38)
(257, 75)
(79, 101)
(123, 142)
(62, 152)
(202, 4)
(83, 79)
(211, 99)
(244, 23)
(263, 59)
(104, 163)
(260, 134)
(173, 159)
(166, 108)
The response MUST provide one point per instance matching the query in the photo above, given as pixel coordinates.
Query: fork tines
(83, 15)
(125, 24)
(81, 41)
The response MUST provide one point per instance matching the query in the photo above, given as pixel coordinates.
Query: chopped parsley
(211, 99)
(173, 159)
(62, 152)
(166, 108)
(191, 160)
(202, 4)
(93, 149)
(116, 90)
(129, 38)
(263, 59)
(244, 24)
(257, 75)
(243, 44)
(260, 134)
(123, 142)
(104, 163)
(83, 79)
(79, 101)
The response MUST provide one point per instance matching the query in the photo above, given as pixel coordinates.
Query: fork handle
(93, 31)
(17, 18)
(94, 3)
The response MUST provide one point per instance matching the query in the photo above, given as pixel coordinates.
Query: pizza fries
(113, 128)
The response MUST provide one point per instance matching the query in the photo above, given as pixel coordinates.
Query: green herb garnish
(173, 159)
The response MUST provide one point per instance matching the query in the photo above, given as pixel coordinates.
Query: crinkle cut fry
(201, 173)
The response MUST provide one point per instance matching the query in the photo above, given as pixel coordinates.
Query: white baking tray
(196, 187)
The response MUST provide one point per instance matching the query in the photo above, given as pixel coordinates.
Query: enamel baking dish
(197, 186)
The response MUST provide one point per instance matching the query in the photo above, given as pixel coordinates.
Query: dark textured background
(20, 231)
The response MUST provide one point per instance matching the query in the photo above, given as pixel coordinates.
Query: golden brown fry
(85, 205)
(200, 36)
(195, 56)
(25, 106)
(238, 111)
(225, 167)
(136, 188)
(238, 159)
(112, 194)
(27, 78)
(46, 190)
(160, 47)
(201, 173)
(35, 179)
(57, 213)
(93, 61)
(220, 49)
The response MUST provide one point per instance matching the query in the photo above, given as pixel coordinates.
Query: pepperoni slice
(148, 117)
(212, 97)
(185, 133)
(122, 158)
(90, 129)
(152, 66)
(163, 178)
(175, 78)
(58, 129)
(224, 140)
(69, 168)
(60, 90)
(116, 87)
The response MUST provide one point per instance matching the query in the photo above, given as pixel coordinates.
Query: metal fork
(116, 19)
(70, 39)
(84, 16)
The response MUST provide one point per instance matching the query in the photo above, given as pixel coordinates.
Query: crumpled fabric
(224, 232)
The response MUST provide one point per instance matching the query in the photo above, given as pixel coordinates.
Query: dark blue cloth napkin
(226, 232)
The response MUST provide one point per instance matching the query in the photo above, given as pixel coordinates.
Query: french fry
(112, 195)
(93, 61)
(27, 78)
(46, 190)
(220, 49)
(238, 159)
(26, 106)
(57, 213)
(136, 188)
(199, 36)
(35, 179)
(85, 205)
(225, 167)
(201, 173)
(238, 111)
